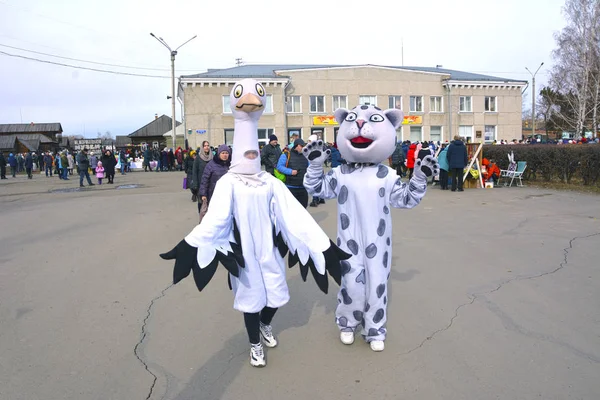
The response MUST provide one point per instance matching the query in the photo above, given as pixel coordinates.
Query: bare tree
(577, 62)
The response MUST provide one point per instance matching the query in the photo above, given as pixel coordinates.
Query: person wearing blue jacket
(457, 161)
(336, 157)
(12, 161)
(444, 167)
(294, 165)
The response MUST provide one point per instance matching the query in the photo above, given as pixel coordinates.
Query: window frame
(410, 106)
(486, 104)
(471, 136)
(268, 132)
(338, 96)
(367, 95)
(225, 136)
(226, 101)
(461, 103)
(316, 103)
(441, 132)
(392, 100)
(441, 104)
(287, 101)
(267, 97)
(494, 135)
(410, 133)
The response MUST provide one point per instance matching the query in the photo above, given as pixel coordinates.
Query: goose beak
(249, 102)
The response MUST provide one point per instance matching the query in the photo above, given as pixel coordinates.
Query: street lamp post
(173, 54)
(533, 98)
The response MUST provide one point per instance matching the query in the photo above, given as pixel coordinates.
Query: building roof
(55, 127)
(122, 141)
(157, 127)
(269, 71)
(8, 142)
(32, 144)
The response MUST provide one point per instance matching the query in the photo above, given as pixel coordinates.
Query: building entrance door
(320, 132)
(293, 131)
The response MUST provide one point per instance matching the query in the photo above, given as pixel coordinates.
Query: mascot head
(247, 100)
(367, 134)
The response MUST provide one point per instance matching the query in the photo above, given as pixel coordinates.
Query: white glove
(426, 167)
(316, 153)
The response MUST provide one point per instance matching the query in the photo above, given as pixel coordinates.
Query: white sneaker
(347, 337)
(257, 355)
(266, 331)
(377, 345)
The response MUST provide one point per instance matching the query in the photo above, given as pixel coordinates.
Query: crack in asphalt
(475, 296)
(143, 336)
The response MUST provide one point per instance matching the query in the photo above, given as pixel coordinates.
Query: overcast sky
(486, 36)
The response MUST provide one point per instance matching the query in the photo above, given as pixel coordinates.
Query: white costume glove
(426, 167)
(316, 153)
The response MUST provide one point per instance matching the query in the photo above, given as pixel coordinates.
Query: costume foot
(377, 345)
(266, 331)
(347, 337)
(257, 355)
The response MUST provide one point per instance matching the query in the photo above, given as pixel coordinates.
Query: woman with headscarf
(214, 170)
(202, 158)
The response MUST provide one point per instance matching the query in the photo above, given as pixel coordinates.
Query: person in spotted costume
(365, 191)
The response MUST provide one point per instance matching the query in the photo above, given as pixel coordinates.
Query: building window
(317, 104)
(340, 102)
(465, 104)
(368, 100)
(263, 135)
(435, 134)
(490, 104)
(416, 103)
(416, 134)
(229, 137)
(226, 105)
(293, 104)
(435, 104)
(395, 102)
(490, 134)
(269, 104)
(466, 132)
(155, 145)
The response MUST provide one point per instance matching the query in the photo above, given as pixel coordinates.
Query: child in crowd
(99, 172)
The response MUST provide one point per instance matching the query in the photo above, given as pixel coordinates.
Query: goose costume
(365, 191)
(252, 222)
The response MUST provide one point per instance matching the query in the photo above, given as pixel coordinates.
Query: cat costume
(365, 191)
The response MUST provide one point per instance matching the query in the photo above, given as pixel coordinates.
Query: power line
(86, 61)
(93, 62)
(84, 68)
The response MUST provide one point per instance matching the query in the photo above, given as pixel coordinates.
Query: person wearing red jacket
(410, 159)
(491, 171)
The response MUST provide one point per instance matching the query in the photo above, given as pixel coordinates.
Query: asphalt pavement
(494, 294)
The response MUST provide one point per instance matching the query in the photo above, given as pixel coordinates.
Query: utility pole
(173, 54)
(402, 47)
(533, 98)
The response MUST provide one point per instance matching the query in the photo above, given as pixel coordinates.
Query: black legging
(253, 320)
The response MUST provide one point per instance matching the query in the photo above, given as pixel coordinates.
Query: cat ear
(395, 116)
(340, 115)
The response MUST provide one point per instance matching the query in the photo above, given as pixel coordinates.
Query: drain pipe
(285, 114)
(449, 107)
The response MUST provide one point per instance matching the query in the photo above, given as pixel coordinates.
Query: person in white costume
(251, 223)
(365, 191)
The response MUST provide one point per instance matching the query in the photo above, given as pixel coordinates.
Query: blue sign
(200, 131)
